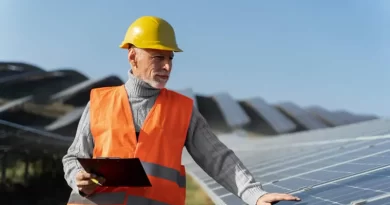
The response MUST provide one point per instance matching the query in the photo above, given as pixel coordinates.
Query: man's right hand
(85, 184)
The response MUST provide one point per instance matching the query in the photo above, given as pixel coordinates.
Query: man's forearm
(82, 146)
(71, 168)
(220, 162)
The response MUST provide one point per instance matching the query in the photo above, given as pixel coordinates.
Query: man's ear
(131, 57)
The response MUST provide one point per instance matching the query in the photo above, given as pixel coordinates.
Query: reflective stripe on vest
(165, 173)
(111, 198)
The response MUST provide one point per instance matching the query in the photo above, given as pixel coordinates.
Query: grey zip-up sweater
(205, 148)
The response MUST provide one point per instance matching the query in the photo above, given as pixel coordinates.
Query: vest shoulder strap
(180, 98)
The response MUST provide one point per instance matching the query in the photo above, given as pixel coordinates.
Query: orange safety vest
(160, 144)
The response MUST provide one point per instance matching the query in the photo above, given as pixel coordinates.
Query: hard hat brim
(125, 45)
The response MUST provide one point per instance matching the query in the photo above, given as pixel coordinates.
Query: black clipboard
(118, 172)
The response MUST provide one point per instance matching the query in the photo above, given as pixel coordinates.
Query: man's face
(152, 66)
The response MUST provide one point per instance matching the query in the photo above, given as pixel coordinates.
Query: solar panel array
(66, 89)
(339, 169)
(322, 166)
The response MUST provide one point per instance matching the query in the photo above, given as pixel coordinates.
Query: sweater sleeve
(82, 146)
(220, 162)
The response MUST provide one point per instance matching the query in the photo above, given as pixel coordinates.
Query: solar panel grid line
(317, 160)
(313, 143)
(326, 200)
(285, 153)
(282, 187)
(344, 197)
(354, 175)
(347, 131)
(337, 164)
(353, 193)
(269, 162)
(228, 194)
(303, 158)
(328, 136)
(275, 156)
(283, 162)
(278, 159)
(361, 142)
(374, 199)
(211, 182)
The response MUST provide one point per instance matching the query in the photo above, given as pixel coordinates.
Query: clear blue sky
(331, 53)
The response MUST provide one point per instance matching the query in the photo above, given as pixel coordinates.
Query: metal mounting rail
(36, 131)
(372, 199)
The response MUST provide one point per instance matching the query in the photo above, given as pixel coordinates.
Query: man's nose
(167, 65)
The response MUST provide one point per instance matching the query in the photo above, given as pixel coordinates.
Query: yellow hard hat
(151, 32)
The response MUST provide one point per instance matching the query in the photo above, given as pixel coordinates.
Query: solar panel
(15, 103)
(22, 137)
(363, 188)
(287, 173)
(279, 122)
(67, 119)
(189, 93)
(86, 86)
(233, 113)
(339, 117)
(325, 115)
(30, 76)
(336, 166)
(345, 116)
(304, 118)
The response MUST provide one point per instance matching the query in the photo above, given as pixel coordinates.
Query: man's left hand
(269, 198)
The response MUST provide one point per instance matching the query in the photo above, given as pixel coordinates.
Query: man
(143, 119)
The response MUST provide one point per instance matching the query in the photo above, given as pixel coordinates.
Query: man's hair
(138, 51)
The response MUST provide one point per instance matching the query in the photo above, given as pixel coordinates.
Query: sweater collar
(138, 88)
